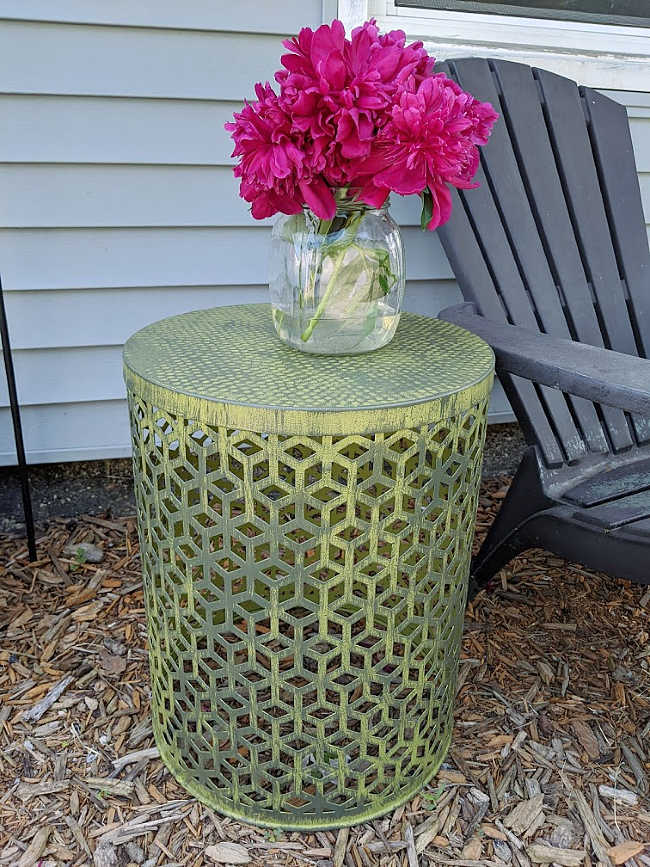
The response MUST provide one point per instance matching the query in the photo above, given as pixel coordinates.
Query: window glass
(633, 12)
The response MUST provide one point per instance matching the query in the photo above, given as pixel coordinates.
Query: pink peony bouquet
(366, 114)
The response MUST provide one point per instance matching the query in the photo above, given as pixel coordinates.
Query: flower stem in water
(352, 226)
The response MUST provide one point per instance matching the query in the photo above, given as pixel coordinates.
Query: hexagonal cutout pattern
(305, 602)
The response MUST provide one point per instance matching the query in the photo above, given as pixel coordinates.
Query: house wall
(117, 201)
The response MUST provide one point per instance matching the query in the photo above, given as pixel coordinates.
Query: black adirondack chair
(551, 254)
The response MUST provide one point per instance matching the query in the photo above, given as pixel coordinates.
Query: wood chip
(540, 854)
(621, 796)
(492, 832)
(625, 851)
(502, 851)
(127, 831)
(561, 627)
(472, 850)
(137, 756)
(425, 839)
(77, 833)
(562, 836)
(594, 832)
(110, 663)
(461, 862)
(640, 775)
(481, 801)
(339, 848)
(524, 814)
(18, 622)
(87, 612)
(105, 855)
(411, 853)
(41, 707)
(228, 853)
(32, 855)
(27, 791)
(451, 776)
(385, 846)
(586, 738)
(122, 788)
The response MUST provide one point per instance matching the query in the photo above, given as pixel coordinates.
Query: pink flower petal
(319, 198)
(441, 207)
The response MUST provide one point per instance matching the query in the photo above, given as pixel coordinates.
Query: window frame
(610, 56)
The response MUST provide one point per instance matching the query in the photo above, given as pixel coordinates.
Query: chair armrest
(598, 374)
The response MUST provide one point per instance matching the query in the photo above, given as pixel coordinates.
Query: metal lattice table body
(305, 524)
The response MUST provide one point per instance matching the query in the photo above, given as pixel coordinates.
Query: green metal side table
(305, 525)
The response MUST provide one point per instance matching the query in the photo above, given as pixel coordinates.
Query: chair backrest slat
(525, 119)
(567, 124)
(501, 215)
(612, 144)
(469, 265)
(506, 187)
(554, 246)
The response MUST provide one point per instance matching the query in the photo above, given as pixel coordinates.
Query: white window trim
(597, 55)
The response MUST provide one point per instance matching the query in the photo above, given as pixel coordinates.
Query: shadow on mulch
(550, 748)
(90, 487)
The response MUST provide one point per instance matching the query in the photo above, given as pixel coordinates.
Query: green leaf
(427, 208)
(434, 797)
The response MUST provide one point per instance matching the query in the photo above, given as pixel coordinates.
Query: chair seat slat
(617, 513)
(640, 528)
(611, 485)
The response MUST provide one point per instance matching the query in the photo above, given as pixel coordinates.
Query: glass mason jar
(337, 285)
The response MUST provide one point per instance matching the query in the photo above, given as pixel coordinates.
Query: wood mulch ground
(550, 761)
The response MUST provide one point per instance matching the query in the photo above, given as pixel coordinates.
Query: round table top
(232, 355)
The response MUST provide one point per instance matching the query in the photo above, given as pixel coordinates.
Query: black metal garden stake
(18, 431)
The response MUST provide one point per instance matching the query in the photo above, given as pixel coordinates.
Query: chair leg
(505, 538)
(485, 567)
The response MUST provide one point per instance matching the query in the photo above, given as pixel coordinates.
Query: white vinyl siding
(117, 201)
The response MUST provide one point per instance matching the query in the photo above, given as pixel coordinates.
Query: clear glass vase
(337, 285)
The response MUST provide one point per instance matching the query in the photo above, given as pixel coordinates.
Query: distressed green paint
(305, 558)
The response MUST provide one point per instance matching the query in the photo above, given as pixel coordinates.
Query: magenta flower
(340, 91)
(275, 165)
(365, 113)
(429, 145)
